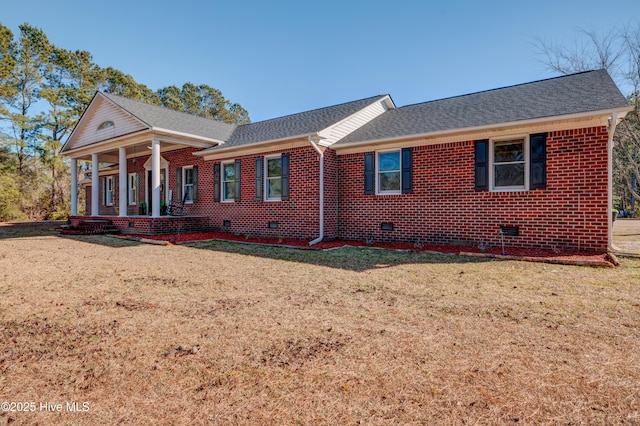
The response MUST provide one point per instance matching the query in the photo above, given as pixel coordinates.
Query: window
(389, 172)
(273, 178)
(229, 181)
(105, 124)
(509, 167)
(108, 190)
(188, 180)
(515, 164)
(133, 188)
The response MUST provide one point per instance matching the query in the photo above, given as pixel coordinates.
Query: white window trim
(492, 173)
(377, 174)
(266, 177)
(132, 190)
(184, 182)
(222, 181)
(109, 180)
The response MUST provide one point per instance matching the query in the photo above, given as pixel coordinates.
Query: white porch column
(95, 186)
(74, 187)
(155, 177)
(122, 167)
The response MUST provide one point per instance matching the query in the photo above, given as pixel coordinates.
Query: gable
(101, 110)
(341, 129)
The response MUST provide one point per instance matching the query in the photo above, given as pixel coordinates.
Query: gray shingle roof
(296, 124)
(156, 116)
(577, 93)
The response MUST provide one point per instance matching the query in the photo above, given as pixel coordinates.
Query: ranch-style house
(530, 164)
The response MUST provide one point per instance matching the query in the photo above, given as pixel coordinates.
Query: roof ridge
(313, 110)
(501, 88)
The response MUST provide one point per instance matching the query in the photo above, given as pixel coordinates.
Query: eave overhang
(262, 146)
(560, 122)
(141, 137)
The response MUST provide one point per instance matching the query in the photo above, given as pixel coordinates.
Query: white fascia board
(621, 111)
(120, 141)
(249, 146)
(85, 112)
(209, 141)
(138, 137)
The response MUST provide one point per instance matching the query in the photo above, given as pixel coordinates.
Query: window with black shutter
(388, 172)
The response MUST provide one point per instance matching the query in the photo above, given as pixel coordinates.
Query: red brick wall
(330, 194)
(296, 217)
(444, 208)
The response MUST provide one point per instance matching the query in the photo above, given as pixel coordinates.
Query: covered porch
(123, 184)
(127, 144)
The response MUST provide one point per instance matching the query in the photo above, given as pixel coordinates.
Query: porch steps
(91, 227)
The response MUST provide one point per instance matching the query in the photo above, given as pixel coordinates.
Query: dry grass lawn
(281, 336)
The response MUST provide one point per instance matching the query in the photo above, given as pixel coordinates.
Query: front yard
(280, 336)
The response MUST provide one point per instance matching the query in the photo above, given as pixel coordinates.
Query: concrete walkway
(626, 236)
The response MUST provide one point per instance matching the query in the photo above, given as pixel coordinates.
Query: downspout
(321, 189)
(613, 122)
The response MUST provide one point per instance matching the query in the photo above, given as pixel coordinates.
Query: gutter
(214, 150)
(314, 144)
(613, 122)
(583, 115)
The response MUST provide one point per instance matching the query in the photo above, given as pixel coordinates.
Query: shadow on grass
(103, 240)
(356, 259)
(31, 230)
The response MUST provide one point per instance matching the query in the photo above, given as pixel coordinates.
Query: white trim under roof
(345, 148)
(215, 151)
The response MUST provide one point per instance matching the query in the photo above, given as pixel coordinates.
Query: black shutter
(482, 165)
(237, 182)
(407, 171)
(195, 183)
(103, 181)
(178, 184)
(369, 173)
(216, 182)
(137, 188)
(259, 179)
(284, 179)
(538, 161)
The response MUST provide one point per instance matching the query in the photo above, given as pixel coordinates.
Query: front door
(163, 173)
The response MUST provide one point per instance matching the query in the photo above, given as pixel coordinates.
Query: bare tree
(618, 51)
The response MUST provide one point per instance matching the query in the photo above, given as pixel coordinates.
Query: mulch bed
(531, 255)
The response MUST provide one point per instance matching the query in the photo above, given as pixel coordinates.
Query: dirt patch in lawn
(224, 333)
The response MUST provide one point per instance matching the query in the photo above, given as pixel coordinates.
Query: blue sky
(282, 57)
